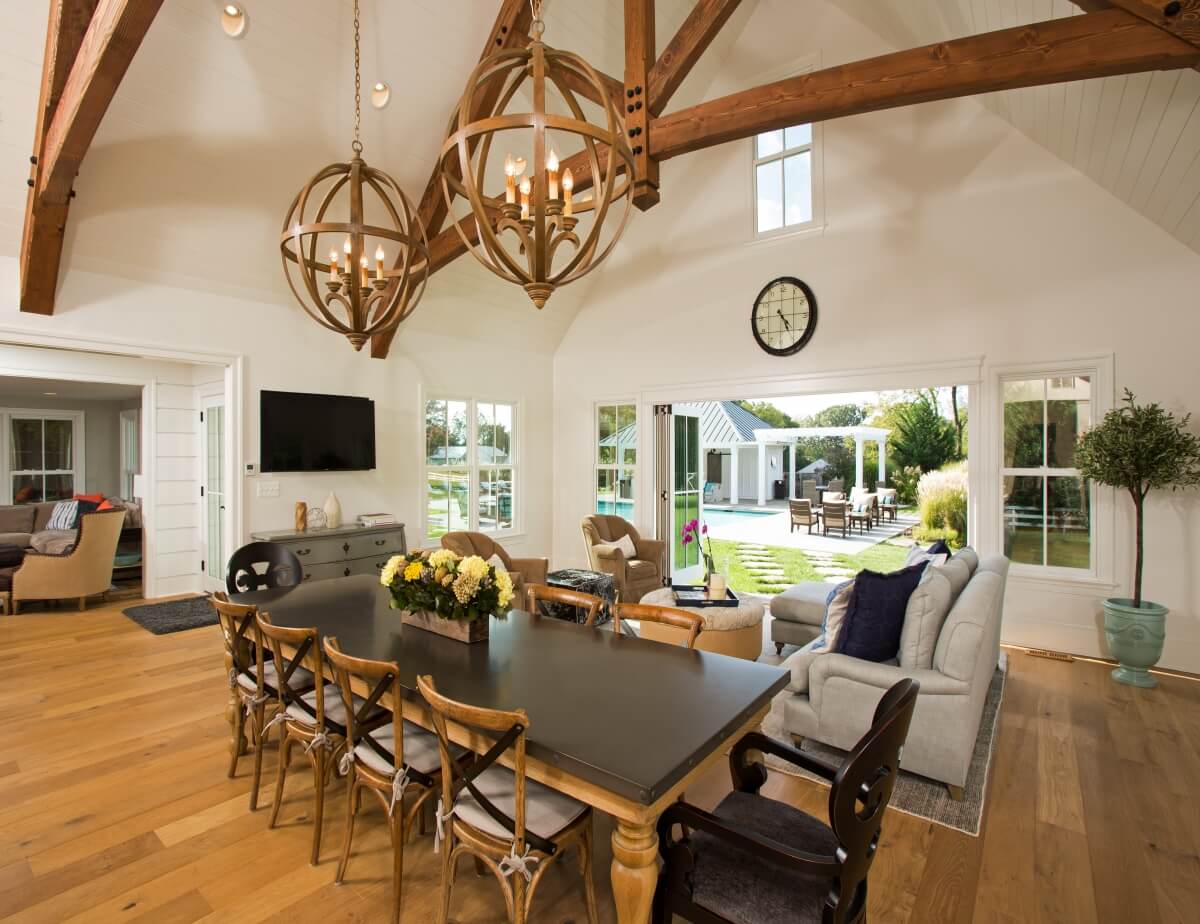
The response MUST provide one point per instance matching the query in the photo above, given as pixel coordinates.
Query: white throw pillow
(916, 555)
(826, 642)
(497, 562)
(625, 544)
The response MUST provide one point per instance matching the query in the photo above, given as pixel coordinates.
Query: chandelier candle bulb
(333, 265)
(568, 183)
(510, 180)
(379, 262)
(552, 174)
(526, 187)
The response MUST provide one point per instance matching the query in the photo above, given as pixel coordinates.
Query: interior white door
(214, 491)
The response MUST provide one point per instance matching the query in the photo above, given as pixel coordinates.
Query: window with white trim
(470, 466)
(130, 451)
(44, 457)
(616, 439)
(785, 168)
(1046, 506)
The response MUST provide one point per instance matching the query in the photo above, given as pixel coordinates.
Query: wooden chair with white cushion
(386, 756)
(316, 719)
(516, 827)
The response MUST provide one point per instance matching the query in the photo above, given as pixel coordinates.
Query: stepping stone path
(761, 564)
(831, 571)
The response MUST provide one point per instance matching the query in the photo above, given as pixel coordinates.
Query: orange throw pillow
(106, 505)
(93, 498)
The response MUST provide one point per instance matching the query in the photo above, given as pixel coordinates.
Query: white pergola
(790, 435)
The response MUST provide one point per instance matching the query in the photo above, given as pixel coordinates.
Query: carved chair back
(590, 604)
(262, 565)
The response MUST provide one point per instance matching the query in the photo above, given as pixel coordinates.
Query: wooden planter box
(458, 629)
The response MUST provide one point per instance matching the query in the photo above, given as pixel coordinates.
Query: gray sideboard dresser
(342, 551)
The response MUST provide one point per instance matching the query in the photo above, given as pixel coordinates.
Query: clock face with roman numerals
(784, 316)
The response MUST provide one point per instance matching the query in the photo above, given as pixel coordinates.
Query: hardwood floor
(114, 804)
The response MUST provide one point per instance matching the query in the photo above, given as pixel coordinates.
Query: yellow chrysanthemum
(473, 566)
(505, 586)
(388, 573)
(442, 558)
(413, 571)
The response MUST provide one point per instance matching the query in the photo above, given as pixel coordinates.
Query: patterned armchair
(634, 576)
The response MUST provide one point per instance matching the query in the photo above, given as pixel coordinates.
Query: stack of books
(376, 519)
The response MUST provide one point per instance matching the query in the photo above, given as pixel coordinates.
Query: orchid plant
(697, 532)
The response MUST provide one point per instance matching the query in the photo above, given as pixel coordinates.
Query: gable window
(45, 455)
(616, 459)
(784, 172)
(470, 466)
(1046, 504)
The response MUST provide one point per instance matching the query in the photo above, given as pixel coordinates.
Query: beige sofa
(19, 523)
(634, 577)
(951, 645)
(84, 571)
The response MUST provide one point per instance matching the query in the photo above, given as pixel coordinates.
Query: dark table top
(630, 715)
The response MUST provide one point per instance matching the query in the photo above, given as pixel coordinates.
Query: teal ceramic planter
(1135, 638)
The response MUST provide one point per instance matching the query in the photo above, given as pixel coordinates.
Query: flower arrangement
(697, 532)
(447, 584)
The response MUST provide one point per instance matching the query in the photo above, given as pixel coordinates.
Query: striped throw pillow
(64, 516)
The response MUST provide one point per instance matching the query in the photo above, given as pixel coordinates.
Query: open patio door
(686, 492)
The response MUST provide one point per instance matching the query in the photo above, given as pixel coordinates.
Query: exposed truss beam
(1076, 48)
(510, 30)
(684, 50)
(89, 45)
(639, 59)
(42, 235)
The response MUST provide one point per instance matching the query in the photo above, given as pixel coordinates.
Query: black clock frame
(808, 331)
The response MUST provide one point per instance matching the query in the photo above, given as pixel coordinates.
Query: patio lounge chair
(888, 506)
(802, 515)
(712, 492)
(863, 511)
(834, 516)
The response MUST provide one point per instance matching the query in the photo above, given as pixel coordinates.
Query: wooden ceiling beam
(683, 51)
(89, 45)
(639, 59)
(1076, 48)
(42, 235)
(510, 30)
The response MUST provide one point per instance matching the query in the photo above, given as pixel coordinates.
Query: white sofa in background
(950, 644)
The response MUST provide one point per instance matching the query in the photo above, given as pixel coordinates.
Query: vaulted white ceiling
(1138, 136)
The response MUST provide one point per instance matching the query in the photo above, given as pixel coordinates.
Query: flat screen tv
(316, 433)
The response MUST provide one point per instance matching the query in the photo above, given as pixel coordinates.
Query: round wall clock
(784, 316)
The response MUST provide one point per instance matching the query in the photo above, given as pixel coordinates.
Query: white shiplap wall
(1137, 135)
(176, 485)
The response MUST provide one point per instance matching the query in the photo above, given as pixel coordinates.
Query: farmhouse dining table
(623, 724)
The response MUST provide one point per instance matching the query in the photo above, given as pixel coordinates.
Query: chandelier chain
(357, 143)
(537, 26)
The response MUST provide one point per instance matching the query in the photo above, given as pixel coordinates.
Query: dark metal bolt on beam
(1172, 8)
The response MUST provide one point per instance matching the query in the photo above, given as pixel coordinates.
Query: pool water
(713, 516)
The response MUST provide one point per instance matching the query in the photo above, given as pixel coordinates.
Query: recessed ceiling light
(233, 20)
(380, 94)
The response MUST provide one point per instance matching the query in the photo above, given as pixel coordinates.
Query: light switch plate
(268, 489)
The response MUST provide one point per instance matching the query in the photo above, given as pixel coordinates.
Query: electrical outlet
(268, 489)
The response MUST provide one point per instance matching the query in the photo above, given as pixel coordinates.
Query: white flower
(442, 558)
(388, 572)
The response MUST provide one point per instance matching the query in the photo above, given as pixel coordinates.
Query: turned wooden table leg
(634, 870)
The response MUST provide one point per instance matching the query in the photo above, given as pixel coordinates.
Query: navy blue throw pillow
(875, 616)
(940, 548)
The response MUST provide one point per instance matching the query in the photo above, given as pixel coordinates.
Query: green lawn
(796, 567)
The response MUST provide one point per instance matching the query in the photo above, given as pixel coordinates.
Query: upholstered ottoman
(797, 614)
(729, 630)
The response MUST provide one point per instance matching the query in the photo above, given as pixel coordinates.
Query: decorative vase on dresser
(333, 511)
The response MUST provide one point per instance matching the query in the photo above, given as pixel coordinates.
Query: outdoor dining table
(623, 724)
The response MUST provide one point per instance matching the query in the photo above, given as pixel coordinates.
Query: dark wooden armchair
(802, 515)
(757, 859)
(835, 516)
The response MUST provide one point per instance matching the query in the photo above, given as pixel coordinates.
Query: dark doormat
(174, 615)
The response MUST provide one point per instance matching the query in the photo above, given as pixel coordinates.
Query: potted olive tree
(1139, 448)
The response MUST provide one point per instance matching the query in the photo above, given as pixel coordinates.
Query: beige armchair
(83, 571)
(523, 571)
(634, 577)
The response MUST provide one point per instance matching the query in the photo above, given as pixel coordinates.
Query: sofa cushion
(969, 556)
(11, 555)
(831, 629)
(17, 539)
(54, 541)
(958, 573)
(875, 617)
(803, 603)
(17, 519)
(41, 515)
(923, 619)
(640, 570)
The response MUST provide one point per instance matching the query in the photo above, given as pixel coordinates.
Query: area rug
(174, 615)
(917, 795)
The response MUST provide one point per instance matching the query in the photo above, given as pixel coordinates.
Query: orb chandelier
(537, 229)
(348, 209)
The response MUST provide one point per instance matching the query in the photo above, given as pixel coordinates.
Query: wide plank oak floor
(114, 804)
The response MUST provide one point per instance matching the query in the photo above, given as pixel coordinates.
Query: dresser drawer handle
(303, 551)
(345, 546)
(381, 542)
(346, 573)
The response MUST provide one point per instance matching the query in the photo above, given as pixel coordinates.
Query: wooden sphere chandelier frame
(520, 233)
(348, 296)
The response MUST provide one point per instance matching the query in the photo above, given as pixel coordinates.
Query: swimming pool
(713, 516)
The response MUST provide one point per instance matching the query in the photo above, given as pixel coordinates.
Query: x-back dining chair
(543, 593)
(253, 683)
(316, 719)
(690, 624)
(757, 859)
(515, 826)
(386, 755)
